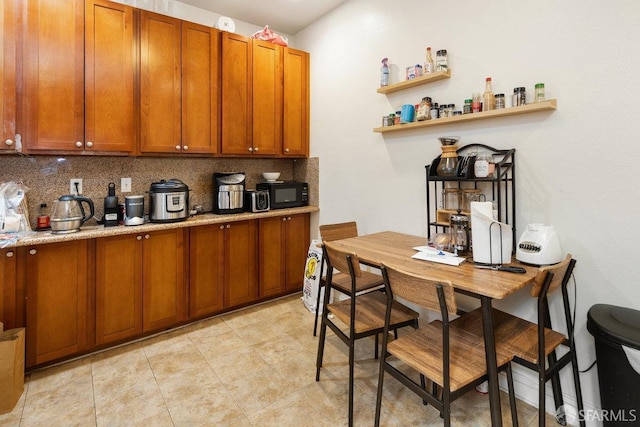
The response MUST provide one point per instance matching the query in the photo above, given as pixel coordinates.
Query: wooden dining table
(395, 249)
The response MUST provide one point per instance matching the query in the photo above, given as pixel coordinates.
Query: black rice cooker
(168, 201)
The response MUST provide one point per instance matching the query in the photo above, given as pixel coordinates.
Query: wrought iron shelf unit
(499, 188)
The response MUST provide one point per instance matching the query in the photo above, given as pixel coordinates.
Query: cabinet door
(296, 103)
(240, 270)
(57, 282)
(267, 98)
(8, 40)
(272, 255)
(205, 270)
(53, 75)
(118, 263)
(297, 239)
(200, 90)
(109, 75)
(163, 293)
(8, 288)
(160, 87)
(236, 114)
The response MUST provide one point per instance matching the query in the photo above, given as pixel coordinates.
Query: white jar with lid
(481, 166)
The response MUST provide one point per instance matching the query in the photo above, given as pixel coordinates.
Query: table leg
(492, 364)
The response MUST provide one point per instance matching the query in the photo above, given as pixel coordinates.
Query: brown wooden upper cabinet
(296, 103)
(200, 89)
(179, 74)
(160, 87)
(8, 75)
(261, 84)
(78, 77)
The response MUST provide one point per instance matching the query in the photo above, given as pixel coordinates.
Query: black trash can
(618, 371)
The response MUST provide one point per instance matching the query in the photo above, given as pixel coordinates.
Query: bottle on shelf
(539, 94)
(429, 65)
(384, 73)
(488, 100)
(44, 221)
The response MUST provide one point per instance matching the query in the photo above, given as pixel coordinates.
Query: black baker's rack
(500, 187)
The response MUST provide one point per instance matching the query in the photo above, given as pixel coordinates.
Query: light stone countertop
(95, 231)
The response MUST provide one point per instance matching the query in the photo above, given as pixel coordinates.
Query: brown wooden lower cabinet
(240, 271)
(163, 281)
(57, 285)
(139, 284)
(8, 288)
(222, 267)
(118, 288)
(141, 281)
(205, 270)
(283, 247)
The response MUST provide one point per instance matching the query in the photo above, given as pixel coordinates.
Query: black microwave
(286, 194)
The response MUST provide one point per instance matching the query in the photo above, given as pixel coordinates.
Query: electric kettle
(68, 214)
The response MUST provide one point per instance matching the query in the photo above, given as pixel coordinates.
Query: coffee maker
(228, 192)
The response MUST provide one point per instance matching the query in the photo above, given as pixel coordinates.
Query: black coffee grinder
(111, 207)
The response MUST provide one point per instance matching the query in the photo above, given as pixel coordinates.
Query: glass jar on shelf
(424, 109)
(451, 199)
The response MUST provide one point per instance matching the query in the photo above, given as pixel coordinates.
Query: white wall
(576, 167)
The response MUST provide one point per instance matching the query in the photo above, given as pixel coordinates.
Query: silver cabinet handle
(284, 219)
(79, 144)
(138, 237)
(185, 147)
(255, 149)
(89, 144)
(288, 218)
(146, 236)
(33, 252)
(9, 254)
(286, 150)
(222, 227)
(9, 142)
(177, 147)
(228, 225)
(250, 148)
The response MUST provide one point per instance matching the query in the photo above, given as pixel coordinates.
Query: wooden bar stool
(531, 343)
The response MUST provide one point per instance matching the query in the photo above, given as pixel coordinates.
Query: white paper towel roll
(492, 240)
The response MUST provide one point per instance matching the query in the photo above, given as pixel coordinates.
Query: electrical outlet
(75, 186)
(125, 185)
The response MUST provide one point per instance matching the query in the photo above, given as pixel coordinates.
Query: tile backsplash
(47, 177)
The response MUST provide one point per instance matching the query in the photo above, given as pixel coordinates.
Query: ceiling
(285, 16)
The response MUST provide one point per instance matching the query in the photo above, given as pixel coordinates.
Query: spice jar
(467, 106)
(434, 111)
(441, 60)
(519, 96)
(539, 93)
(499, 101)
(424, 109)
(476, 102)
(397, 118)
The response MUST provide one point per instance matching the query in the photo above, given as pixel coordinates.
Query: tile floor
(248, 368)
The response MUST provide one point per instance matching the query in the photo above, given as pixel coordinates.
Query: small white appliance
(539, 245)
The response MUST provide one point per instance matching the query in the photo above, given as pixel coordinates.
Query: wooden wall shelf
(422, 80)
(550, 104)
